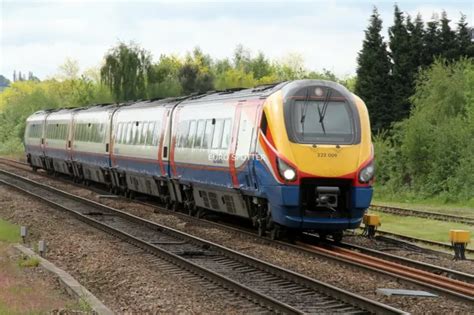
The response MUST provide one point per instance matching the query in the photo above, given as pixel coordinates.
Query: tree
(260, 66)
(416, 32)
(291, 67)
(125, 71)
(69, 70)
(373, 75)
(447, 39)
(463, 38)
(431, 41)
(195, 75)
(242, 58)
(403, 69)
(163, 78)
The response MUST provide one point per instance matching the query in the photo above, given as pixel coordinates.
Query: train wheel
(337, 236)
(262, 227)
(34, 168)
(275, 232)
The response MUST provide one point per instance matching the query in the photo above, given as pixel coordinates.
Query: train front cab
(316, 139)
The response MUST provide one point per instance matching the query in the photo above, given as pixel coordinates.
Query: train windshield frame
(317, 121)
(321, 114)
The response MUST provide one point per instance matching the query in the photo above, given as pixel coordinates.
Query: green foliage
(373, 75)
(432, 152)
(28, 262)
(22, 98)
(195, 75)
(163, 78)
(9, 232)
(125, 71)
(463, 38)
(403, 65)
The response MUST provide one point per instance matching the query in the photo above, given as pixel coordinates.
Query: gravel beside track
(342, 276)
(126, 279)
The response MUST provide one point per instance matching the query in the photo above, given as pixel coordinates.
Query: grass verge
(9, 232)
(419, 227)
(428, 205)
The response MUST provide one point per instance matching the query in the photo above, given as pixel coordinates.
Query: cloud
(39, 36)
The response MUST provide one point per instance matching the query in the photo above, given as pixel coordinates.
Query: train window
(92, 132)
(144, 132)
(123, 133)
(82, 132)
(199, 133)
(88, 133)
(206, 141)
(226, 134)
(137, 133)
(118, 132)
(217, 137)
(182, 133)
(191, 134)
(128, 133)
(156, 132)
(150, 134)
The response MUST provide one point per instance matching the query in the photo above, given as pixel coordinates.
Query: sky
(38, 36)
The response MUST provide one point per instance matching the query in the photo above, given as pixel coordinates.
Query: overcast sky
(39, 35)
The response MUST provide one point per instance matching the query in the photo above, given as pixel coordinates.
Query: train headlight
(286, 171)
(367, 173)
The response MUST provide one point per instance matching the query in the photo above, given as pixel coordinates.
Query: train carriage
(34, 139)
(294, 156)
(56, 141)
(137, 136)
(213, 137)
(90, 142)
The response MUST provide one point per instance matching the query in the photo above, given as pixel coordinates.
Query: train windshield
(322, 121)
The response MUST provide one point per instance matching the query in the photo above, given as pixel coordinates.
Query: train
(290, 157)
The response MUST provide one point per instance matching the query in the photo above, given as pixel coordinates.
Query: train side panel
(136, 138)
(90, 144)
(57, 151)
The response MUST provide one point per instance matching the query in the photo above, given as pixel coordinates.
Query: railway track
(430, 276)
(385, 234)
(422, 214)
(398, 268)
(273, 288)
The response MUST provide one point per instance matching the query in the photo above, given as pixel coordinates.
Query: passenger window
(128, 138)
(217, 137)
(191, 134)
(199, 133)
(226, 134)
(144, 133)
(150, 134)
(156, 133)
(182, 134)
(118, 133)
(206, 141)
(123, 137)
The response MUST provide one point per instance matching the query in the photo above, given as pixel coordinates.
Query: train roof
(261, 91)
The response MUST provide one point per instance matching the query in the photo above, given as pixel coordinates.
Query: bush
(431, 154)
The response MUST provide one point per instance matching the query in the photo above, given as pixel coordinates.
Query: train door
(241, 158)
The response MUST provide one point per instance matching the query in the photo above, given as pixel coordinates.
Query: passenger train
(291, 157)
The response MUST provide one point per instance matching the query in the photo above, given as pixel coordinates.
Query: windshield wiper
(322, 112)
(303, 111)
